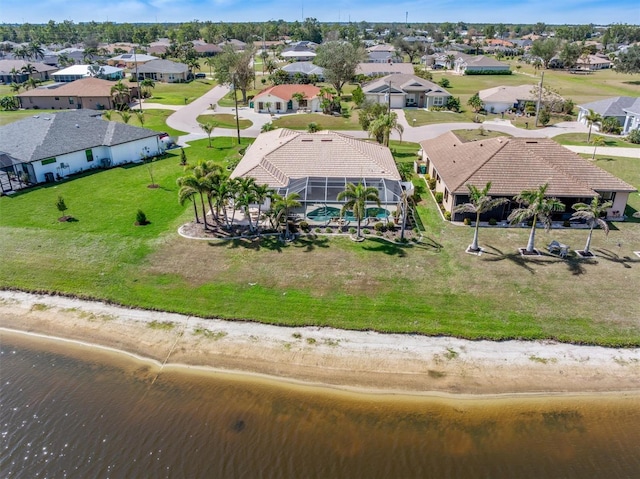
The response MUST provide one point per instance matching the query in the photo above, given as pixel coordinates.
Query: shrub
(493, 221)
(61, 205)
(453, 104)
(545, 117)
(445, 83)
(378, 233)
(352, 230)
(439, 195)
(566, 223)
(366, 231)
(467, 221)
(432, 183)
(317, 230)
(379, 226)
(304, 225)
(391, 226)
(141, 218)
(328, 230)
(312, 127)
(610, 125)
(447, 215)
(634, 136)
(183, 157)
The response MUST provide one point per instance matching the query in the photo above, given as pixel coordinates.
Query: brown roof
(84, 87)
(8, 65)
(286, 91)
(278, 156)
(517, 164)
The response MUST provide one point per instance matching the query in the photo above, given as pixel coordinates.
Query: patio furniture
(558, 248)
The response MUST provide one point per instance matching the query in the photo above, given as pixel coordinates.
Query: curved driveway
(185, 119)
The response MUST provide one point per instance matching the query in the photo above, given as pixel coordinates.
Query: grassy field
(153, 119)
(7, 117)
(581, 139)
(179, 93)
(429, 288)
(224, 120)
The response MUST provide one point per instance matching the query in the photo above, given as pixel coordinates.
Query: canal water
(83, 413)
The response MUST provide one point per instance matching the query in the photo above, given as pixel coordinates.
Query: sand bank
(332, 357)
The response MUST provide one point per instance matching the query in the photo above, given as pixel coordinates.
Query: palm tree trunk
(195, 210)
(588, 245)
(359, 221)
(474, 245)
(532, 236)
(204, 212)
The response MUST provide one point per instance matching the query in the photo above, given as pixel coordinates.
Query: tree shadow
(608, 255)
(430, 243)
(382, 246)
(525, 262)
(310, 242)
(256, 243)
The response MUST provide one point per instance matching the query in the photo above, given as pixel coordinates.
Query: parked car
(200, 76)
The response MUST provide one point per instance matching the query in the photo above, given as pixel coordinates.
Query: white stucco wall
(397, 101)
(133, 151)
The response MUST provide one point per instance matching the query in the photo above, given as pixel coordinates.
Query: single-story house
(593, 62)
(164, 71)
(402, 91)
(632, 118)
(53, 145)
(502, 98)
(318, 167)
(129, 60)
(469, 64)
(301, 52)
(280, 99)
(513, 165)
(11, 71)
(305, 69)
(383, 69)
(382, 47)
(77, 72)
(237, 45)
(91, 93)
(611, 107)
(384, 57)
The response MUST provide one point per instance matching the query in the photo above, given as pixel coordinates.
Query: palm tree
(222, 191)
(538, 207)
(89, 54)
(537, 64)
(208, 129)
(479, 202)
(283, 205)
(125, 115)
(592, 213)
(64, 60)
(271, 65)
(450, 59)
(107, 114)
(120, 94)
(592, 118)
(147, 85)
(29, 69)
(357, 197)
(597, 141)
(30, 83)
(15, 87)
(140, 116)
(267, 127)
(35, 51)
(381, 127)
(261, 193)
(21, 52)
(245, 196)
(187, 192)
(198, 185)
(210, 62)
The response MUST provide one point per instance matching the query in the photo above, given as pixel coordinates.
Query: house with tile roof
(318, 167)
(402, 90)
(47, 146)
(502, 98)
(280, 99)
(92, 93)
(513, 165)
(164, 71)
(593, 62)
(304, 68)
(300, 52)
(625, 109)
(383, 69)
(129, 60)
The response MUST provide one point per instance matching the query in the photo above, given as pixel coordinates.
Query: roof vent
(326, 139)
(480, 144)
(307, 139)
(77, 126)
(36, 116)
(532, 142)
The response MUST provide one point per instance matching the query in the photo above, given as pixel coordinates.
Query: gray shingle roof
(401, 83)
(46, 135)
(613, 106)
(163, 66)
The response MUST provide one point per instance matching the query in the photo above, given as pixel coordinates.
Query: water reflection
(68, 413)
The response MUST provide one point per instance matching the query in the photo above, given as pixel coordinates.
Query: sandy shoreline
(352, 360)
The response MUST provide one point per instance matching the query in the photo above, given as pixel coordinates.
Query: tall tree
(235, 68)
(545, 49)
(592, 213)
(537, 206)
(479, 202)
(121, 94)
(629, 61)
(381, 127)
(593, 118)
(475, 102)
(356, 197)
(339, 61)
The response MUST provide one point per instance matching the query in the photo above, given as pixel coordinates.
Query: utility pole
(235, 98)
(389, 98)
(135, 59)
(539, 98)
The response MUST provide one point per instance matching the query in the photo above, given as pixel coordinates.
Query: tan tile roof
(516, 164)
(508, 93)
(84, 87)
(286, 91)
(278, 156)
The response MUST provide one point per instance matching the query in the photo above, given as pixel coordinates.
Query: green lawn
(7, 117)
(179, 93)
(224, 120)
(580, 139)
(324, 122)
(428, 288)
(153, 119)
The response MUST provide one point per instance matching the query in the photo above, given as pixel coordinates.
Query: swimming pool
(325, 213)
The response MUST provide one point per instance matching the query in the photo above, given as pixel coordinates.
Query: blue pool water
(325, 213)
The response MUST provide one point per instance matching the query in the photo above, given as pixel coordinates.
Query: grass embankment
(224, 120)
(427, 288)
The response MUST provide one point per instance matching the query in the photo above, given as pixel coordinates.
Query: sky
(599, 12)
